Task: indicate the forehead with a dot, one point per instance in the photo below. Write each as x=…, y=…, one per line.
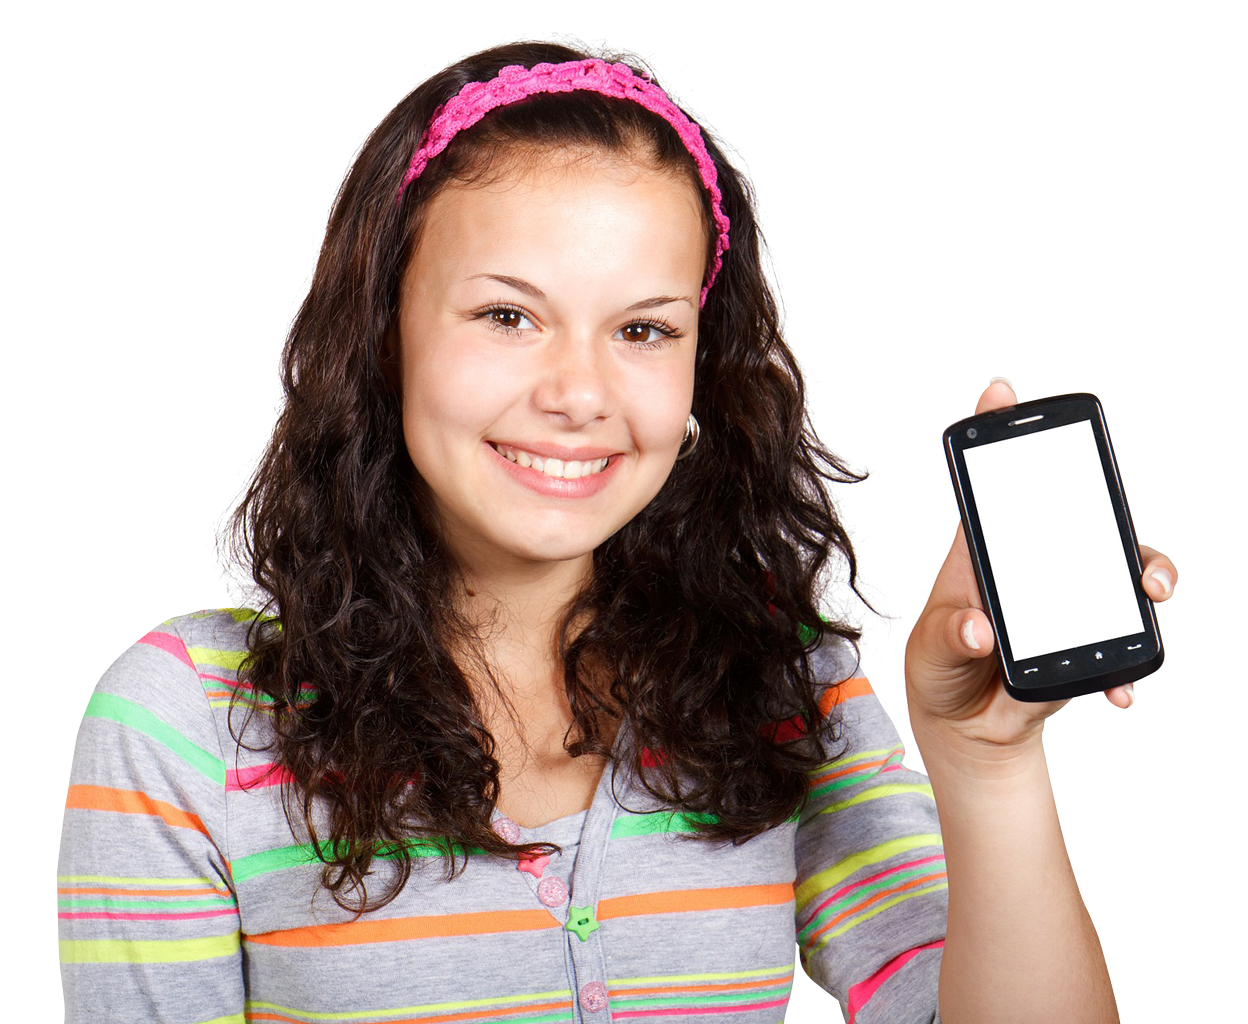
x=566, y=212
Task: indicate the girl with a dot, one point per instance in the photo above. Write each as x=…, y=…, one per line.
x=540, y=720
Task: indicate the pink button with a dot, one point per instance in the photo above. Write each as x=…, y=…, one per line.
x=594, y=996
x=508, y=831
x=533, y=865
x=552, y=891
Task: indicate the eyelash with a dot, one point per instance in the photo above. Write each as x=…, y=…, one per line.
x=667, y=331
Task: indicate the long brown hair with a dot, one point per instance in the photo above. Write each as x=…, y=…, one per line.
x=703, y=609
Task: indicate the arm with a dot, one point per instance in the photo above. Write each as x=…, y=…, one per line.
x=148, y=920
x=870, y=889
x=1020, y=944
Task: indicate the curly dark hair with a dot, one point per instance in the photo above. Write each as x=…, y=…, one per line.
x=703, y=610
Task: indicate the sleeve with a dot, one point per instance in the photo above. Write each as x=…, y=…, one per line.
x=149, y=924
x=872, y=897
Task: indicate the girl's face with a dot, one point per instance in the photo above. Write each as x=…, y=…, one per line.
x=547, y=331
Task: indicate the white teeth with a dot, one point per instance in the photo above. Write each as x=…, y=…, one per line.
x=558, y=468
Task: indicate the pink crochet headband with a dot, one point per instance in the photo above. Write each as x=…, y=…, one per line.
x=513, y=83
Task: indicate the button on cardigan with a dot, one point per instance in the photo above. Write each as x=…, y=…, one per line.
x=184, y=897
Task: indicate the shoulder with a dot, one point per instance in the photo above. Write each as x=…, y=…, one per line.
x=835, y=660
x=186, y=647
x=181, y=674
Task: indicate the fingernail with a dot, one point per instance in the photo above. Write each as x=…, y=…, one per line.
x=968, y=635
x=1001, y=380
x=1130, y=688
x=1163, y=577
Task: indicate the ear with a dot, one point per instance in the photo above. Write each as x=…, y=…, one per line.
x=389, y=358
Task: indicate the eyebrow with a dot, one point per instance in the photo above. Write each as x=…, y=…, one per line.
x=535, y=292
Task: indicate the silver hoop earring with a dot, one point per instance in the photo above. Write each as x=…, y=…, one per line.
x=692, y=433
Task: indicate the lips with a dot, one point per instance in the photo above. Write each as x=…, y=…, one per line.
x=597, y=466
x=559, y=469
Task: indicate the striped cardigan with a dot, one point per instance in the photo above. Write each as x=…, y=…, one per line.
x=185, y=898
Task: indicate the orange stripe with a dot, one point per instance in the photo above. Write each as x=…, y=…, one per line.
x=131, y=801
x=734, y=985
x=860, y=766
x=72, y=891
x=469, y=1015
x=839, y=694
x=399, y=929
x=731, y=897
x=882, y=895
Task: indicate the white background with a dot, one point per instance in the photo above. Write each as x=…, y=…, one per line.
x=1051, y=192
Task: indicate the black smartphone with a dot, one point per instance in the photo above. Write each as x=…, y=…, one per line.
x=1054, y=550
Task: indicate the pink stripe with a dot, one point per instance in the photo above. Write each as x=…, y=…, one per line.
x=170, y=645
x=860, y=994
x=102, y=915
x=256, y=778
x=700, y=1009
x=220, y=679
x=846, y=890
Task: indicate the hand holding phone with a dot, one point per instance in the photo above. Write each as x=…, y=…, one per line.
x=1032, y=480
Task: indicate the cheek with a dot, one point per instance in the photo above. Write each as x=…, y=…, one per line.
x=449, y=393
x=658, y=408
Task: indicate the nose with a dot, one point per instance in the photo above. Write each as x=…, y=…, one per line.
x=574, y=382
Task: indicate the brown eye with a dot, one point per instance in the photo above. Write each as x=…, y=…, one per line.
x=639, y=332
x=507, y=317
x=647, y=334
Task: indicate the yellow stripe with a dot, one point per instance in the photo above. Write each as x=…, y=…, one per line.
x=426, y=1008
x=210, y=656
x=829, y=877
x=878, y=909
x=147, y=951
x=114, y=880
x=663, y=978
x=233, y=1018
x=879, y=791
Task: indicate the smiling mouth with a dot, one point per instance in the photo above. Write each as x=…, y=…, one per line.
x=557, y=468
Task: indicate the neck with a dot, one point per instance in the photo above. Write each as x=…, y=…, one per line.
x=518, y=608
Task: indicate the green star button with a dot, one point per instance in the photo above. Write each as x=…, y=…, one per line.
x=581, y=920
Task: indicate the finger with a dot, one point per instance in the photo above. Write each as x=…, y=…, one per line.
x=1160, y=575
x=974, y=637
x=1121, y=696
x=998, y=395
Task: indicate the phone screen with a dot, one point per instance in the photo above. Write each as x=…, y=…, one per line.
x=1049, y=527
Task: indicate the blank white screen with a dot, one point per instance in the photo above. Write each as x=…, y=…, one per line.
x=1052, y=540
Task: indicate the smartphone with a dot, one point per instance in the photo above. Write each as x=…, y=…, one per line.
x=1054, y=550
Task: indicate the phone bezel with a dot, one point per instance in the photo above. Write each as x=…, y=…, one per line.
x=1078, y=670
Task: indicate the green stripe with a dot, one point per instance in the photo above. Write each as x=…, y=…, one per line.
x=465, y=1004
x=118, y=709
x=878, y=792
x=852, y=780
x=658, y=822
x=845, y=902
x=678, y=1000
x=156, y=906
x=122, y=951
x=254, y=864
